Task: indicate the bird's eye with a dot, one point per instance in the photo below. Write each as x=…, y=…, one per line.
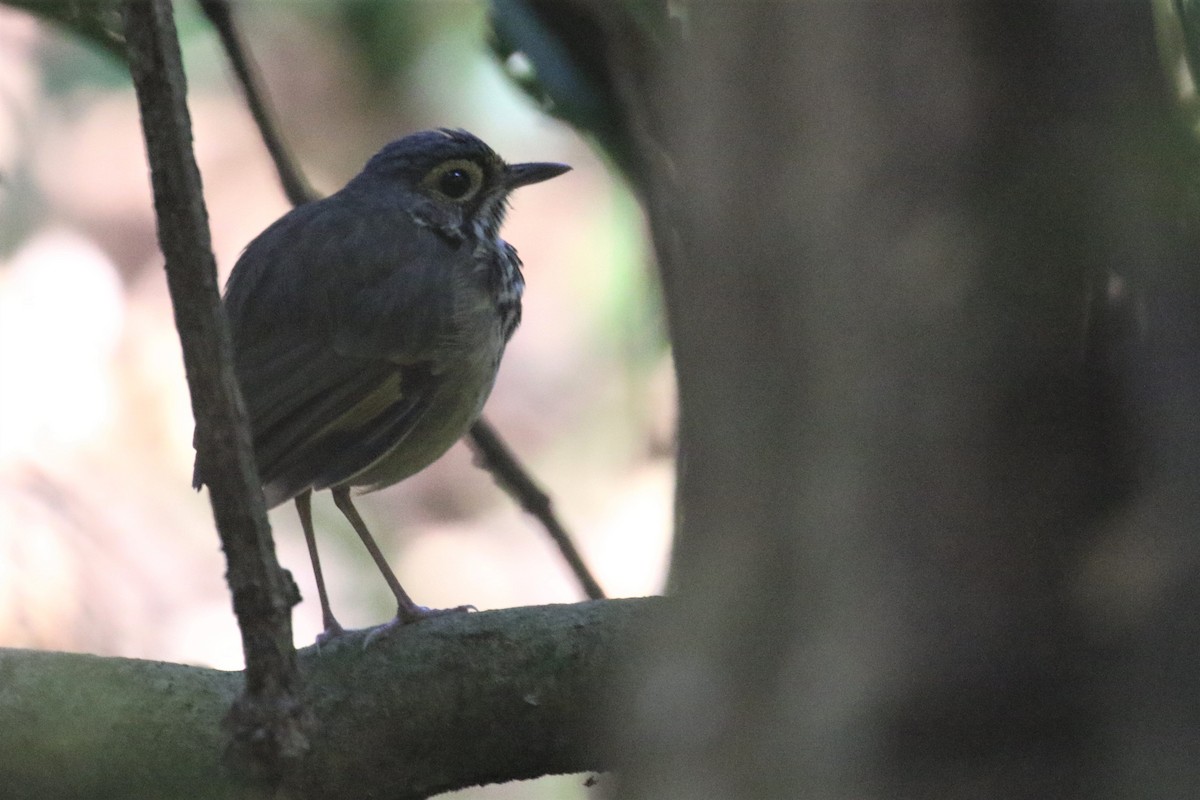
x=454, y=183
x=457, y=180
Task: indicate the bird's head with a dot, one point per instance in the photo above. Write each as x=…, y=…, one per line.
x=449, y=180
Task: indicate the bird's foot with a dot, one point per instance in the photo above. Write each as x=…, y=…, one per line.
x=409, y=615
x=333, y=633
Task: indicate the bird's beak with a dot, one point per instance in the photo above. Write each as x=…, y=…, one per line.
x=516, y=175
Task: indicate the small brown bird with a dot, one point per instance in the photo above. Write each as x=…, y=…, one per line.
x=368, y=327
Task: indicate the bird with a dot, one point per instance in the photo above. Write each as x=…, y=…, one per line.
x=368, y=328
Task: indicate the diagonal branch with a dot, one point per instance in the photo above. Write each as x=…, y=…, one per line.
x=267, y=721
x=495, y=456
x=295, y=186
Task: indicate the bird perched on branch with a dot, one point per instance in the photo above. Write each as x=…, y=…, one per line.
x=368, y=327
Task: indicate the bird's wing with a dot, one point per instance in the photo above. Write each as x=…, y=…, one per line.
x=364, y=279
x=334, y=416
x=337, y=315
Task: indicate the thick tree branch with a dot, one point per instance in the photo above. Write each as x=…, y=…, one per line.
x=453, y=702
x=267, y=722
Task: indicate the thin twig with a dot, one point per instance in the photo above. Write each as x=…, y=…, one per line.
x=498, y=459
x=495, y=456
x=295, y=186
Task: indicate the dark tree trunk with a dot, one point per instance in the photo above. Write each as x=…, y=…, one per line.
x=936, y=498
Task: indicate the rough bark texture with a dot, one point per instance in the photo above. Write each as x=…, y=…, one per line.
x=452, y=702
x=267, y=723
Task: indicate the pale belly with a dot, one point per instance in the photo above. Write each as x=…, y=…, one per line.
x=461, y=390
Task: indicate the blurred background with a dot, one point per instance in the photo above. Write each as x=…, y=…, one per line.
x=104, y=547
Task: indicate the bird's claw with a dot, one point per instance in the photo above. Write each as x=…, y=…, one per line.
x=410, y=616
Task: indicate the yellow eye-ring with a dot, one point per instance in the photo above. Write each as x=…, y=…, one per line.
x=457, y=180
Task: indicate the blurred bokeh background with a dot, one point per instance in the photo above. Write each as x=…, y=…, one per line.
x=104, y=547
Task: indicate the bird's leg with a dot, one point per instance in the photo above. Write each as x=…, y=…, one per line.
x=304, y=509
x=406, y=610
